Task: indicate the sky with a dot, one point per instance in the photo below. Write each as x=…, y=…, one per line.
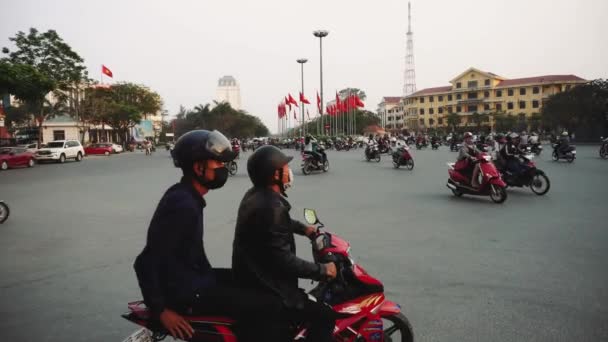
x=181, y=48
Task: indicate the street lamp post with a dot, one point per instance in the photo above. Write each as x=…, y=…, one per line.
x=302, y=127
x=320, y=34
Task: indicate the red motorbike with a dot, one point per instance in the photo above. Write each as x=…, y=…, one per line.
x=364, y=313
x=489, y=179
x=402, y=156
x=236, y=148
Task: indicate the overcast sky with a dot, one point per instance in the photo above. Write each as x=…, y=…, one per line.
x=181, y=48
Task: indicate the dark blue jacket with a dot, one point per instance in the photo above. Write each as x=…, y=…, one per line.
x=173, y=265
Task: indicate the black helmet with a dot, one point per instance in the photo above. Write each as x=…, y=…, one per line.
x=264, y=162
x=201, y=145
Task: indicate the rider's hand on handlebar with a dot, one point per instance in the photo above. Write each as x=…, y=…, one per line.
x=311, y=232
x=331, y=270
x=177, y=326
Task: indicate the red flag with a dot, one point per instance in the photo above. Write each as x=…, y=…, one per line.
x=292, y=100
x=106, y=71
x=358, y=101
x=303, y=99
x=319, y=103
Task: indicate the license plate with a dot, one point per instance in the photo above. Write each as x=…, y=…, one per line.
x=141, y=335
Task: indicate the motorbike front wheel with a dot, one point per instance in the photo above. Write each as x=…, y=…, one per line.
x=326, y=166
x=306, y=168
x=4, y=212
x=603, y=153
x=396, y=164
x=397, y=329
x=555, y=156
x=409, y=164
x=233, y=168
x=570, y=158
x=540, y=184
x=377, y=159
x=498, y=194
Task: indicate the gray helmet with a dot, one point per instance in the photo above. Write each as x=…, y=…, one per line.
x=201, y=145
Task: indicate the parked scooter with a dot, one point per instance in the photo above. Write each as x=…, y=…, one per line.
x=489, y=179
x=569, y=154
x=402, y=157
x=4, y=211
x=530, y=176
x=362, y=309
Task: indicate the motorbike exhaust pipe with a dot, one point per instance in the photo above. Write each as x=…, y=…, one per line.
x=451, y=186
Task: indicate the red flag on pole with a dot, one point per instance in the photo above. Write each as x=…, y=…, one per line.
x=358, y=101
x=106, y=71
x=303, y=99
x=292, y=100
x=319, y=103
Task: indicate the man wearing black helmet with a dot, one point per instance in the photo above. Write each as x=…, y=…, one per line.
x=264, y=254
x=173, y=271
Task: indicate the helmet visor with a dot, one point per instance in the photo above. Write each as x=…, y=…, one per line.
x=220, y=147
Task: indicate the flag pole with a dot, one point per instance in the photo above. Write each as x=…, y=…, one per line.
x=101, y=76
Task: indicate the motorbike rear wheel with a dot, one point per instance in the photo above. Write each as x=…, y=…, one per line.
x=4, y=212
x=233, y=168
x=570, y=158
x=603, y=153
x=397, y=329
x=555, y=156
x=498, y=194
x=306, y=168
x=540, y=184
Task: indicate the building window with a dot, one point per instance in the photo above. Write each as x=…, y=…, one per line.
x=472, y=95
x=450, y=97
x=59, y=135
x=421, y=122
x=471, y=108
x=486, y=82
x=431, y=111
x=440, y=98
x=486, y=94
x=535, y=104
x=431, y=122
x=510, y=92
x=440, y=110
x=486, y=106
x=499, y=93
x=510, y=105
x=522, y=91
x=421, y=111
x=440, y=121
x=499, y=106
x=535, y=90
x=458, y=85
x=450, y=109
x=458, y=109
x=431, y=99
x=472, y=84
x=522, y=104
x=422, y=100
x=458, y=96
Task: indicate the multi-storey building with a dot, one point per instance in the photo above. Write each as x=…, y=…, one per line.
x=390, y=112
x=228, y=90
x=476, y=91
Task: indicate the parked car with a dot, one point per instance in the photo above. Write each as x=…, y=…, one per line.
x=60, y=150
x=32, y=148
x=117, y=148
x=15, y=156
x=103, y=148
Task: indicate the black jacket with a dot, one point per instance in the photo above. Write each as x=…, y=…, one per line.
x=264, y=251
x=173, y=264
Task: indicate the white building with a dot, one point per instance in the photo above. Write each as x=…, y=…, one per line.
x=228, y=91
x=390, y=112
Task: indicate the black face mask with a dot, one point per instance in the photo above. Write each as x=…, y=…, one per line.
x=219, y=179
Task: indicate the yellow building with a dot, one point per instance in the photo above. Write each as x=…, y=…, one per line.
x=476, y=91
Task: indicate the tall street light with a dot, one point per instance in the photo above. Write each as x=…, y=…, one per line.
x=320, y=34
x=302, y=127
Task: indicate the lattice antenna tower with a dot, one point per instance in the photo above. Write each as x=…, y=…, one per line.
x=409, y=76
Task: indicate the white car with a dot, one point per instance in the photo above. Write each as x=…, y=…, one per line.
x=117, y=148
x=32, y=148
x=60, y=150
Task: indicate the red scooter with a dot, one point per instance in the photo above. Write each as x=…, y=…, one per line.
x=402, y=156
x=364, y=313
x=489, y=179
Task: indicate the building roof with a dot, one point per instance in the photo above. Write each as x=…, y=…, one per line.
x=60, y=119
x=391, y=99
x=432, y=91
x=471, y=69
x=540, y=80
x=226, y=81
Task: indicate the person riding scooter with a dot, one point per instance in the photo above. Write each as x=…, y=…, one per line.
x=311, y=149
x=509, y=154
x=467, y=157
x=563, y=144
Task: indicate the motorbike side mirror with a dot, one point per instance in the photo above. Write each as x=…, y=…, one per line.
x=310, y=215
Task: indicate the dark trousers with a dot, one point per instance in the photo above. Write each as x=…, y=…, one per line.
x=315, y=155
x=319, y=319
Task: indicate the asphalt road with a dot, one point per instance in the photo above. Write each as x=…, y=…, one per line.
x=463, y=269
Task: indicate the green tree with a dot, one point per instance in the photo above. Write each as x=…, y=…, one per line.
x=505, y=122
x=58, y=70
x=344, y=93
x=453, y=120
x=477, y=119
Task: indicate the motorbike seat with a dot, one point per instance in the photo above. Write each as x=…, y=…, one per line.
x=139, y=311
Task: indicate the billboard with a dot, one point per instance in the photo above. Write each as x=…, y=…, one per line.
x=143, y=130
